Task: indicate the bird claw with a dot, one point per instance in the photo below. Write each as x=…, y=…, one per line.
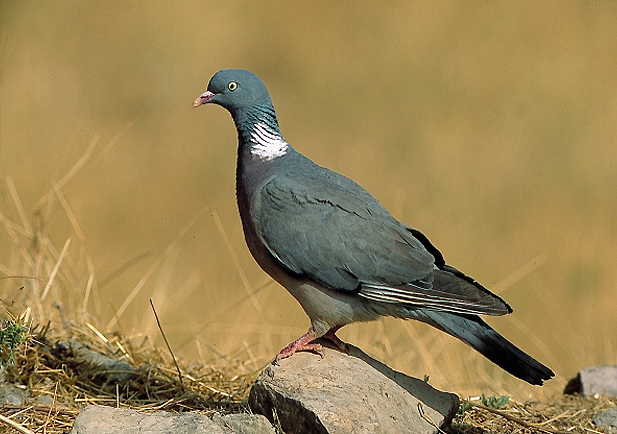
x=295, y=347
x=332, y=337
x=303, y=343
x=338, y=343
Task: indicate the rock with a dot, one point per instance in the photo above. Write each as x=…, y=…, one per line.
x=601, y=380
x=342, y=393
x=43, y=400
x=112, y=370
x=607, y=419
x=244, y=423
x=11, y=394
x=108, y=420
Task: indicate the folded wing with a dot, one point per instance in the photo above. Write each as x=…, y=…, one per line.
x=330, y=230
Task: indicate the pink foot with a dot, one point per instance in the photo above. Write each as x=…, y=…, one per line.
x=303, y=343
x=331, y=335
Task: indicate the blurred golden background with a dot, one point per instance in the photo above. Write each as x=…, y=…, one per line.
x=489, y=126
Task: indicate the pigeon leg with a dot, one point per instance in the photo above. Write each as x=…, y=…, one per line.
x=331, y=335
x=303, y=343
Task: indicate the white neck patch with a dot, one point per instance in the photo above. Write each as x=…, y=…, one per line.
x=267, y=145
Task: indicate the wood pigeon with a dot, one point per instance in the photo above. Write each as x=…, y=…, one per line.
x=337, y=250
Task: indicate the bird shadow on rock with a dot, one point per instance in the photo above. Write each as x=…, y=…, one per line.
x=446, y=403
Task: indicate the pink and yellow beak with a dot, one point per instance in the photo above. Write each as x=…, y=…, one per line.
x=204, y=98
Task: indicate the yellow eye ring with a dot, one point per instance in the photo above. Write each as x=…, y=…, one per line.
x=232, y=86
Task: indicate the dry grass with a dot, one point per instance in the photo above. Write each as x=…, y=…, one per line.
x=43, y=288
x=49, y=289
x=564, y=414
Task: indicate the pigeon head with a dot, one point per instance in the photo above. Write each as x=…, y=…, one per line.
x=248, y=101
x=237, y=90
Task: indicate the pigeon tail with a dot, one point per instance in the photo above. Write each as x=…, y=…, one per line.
x=480, y=336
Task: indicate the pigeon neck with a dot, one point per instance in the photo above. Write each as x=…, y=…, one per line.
x=258, y=131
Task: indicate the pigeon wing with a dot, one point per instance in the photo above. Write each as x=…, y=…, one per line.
x=332, y=231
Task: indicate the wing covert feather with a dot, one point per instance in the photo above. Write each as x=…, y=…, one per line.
x=332, y=231
x=339, y=238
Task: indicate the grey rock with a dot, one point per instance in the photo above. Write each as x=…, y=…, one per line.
x=601, y=380
x=342, y=393
x=108, y=420
x=244, y=423
x=112, y=370
x=11, y=394
x=43, y=400
x=607, y=419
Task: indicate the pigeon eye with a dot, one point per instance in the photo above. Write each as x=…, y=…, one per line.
x=232, y=86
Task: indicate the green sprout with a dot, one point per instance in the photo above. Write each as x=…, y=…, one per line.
x=465, y=405
x=487, y=401
x=12, y=334
x=495, y=402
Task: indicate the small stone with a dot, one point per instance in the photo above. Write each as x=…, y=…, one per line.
x=112, y=370
x=13, y=395
x=43, y=400
x=244, y=423
x=109, y=420
x=342, y=393
x=595, y=380
x=607, y=419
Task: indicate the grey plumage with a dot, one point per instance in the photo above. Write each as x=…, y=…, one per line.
x=337, y=250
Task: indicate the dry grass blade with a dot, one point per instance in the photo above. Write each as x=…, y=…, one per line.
x=168, y=346
x=128, y=264
x=80, y=163
x=519, y=274
x=127, y=126
x=55, y=270
x=129, y=299
x=89, y=284
x=427, y=418
x=18, y=205
x=229, y=309
x=236, y=262
x=519, y=421
x=12, y=230
x=240, y=271
x=68, y=211
x=10, y=422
